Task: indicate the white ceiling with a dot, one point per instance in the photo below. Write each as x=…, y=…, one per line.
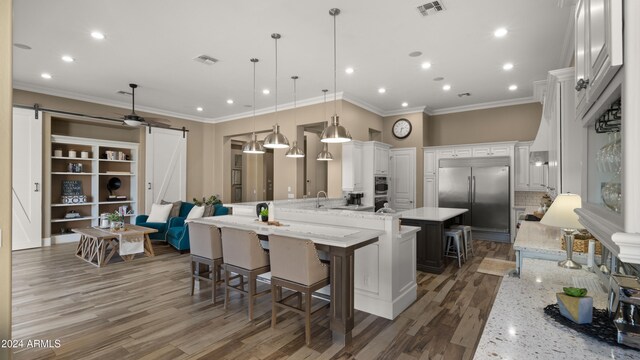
x=153, y=42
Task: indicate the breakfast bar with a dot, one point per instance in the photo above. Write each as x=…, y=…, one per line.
x=339, y=242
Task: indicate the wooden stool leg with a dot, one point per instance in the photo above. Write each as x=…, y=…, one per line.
x=307, y=317
x=193, y=279
x=226, y=288
x=252, y=292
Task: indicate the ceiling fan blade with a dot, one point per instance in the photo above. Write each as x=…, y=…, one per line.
x=156, y=124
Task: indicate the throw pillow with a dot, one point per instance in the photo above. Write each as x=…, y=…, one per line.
x=159, y=213
x=196, y=212
x=175, y=210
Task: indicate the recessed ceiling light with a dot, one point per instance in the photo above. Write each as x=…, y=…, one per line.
x=507, y=66
x=230, y=101
x=67, y=58
x=426, y=65
x=199, y=109
x=513, y=87
x=415, y=53
x=405, y=104
x=446, y=87
x=382, y=90
x=349, y=70
x=266, y=91
x=439, y=78
x=97, y=35
x=45, y=75
x=22, y=46
x=500, y=32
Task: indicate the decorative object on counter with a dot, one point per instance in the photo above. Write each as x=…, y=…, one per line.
x=601, y=327
x=294, y=151
x=72, y=192
x=114, y=184
x=591, y=254
x=74, y=167
x=272, y=211
x=546, y=200
x=335, y=133
x=264, y=215
x=624, y=308
x=275, y=139
x=324, y=155
x=72, y=153
x=385, y=209
x=581, y=243
x=561, y=214
x=57, y=152
x=105, y=223
x=253, y=146
x=209, y=204
x=72, y=214
x=116, y=221
x=260, y=207
x=84, y=154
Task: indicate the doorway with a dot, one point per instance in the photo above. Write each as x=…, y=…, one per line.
x=251, y=174
x=315, y=172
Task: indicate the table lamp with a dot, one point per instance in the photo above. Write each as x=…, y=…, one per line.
x=561, y=215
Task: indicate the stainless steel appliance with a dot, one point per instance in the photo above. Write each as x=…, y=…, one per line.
x=355, y=198
x=379, y=203
x=381, y=185
x=624, y=308
x=480, y=185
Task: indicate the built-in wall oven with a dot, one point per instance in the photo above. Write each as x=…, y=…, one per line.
x=381, y=185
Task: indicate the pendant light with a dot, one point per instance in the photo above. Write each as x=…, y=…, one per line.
x=276, y=140
x=294, y=151
x=253, y=146
x=325, y=155
x=335, y=133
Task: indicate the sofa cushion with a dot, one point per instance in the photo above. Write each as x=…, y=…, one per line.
x=159, y=213
x=185, y=208
x=175, y=209
x=220, y=210
x=196, y=212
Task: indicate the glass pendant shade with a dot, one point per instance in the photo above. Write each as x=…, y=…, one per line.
x=254, y=146
x=324, y=155
x=295, y=151
x=276, y=140
x=335, y=133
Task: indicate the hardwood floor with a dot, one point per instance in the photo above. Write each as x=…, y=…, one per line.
x=142, y=310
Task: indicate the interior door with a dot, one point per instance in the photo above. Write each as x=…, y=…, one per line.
x=403, y=178
x=490, y=206
x=166, y=166
x=27, y=180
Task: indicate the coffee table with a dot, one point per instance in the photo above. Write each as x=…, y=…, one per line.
x=97, y=246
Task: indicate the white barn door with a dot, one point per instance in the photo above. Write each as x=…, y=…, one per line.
x=27, y=180
x=403, y=179
x=166, y=166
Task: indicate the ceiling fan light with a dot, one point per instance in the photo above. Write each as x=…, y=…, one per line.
x=295, y=151
x=335, y=133
x=276, y=140
x=253, y=147
x=133, y=123
x=324, y=155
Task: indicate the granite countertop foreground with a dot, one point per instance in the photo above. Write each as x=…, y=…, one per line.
x=517, y=327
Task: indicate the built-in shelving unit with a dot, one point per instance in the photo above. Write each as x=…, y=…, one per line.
x=96, y=172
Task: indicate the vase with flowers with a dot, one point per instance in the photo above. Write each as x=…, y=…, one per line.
x=116, y=220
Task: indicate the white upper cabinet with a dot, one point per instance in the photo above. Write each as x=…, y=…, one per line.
x=352, y=166
x=599, y=44
x=499, y=150
x=381, y=159
x=430, y=166
x=447, y=153
x=522, y=168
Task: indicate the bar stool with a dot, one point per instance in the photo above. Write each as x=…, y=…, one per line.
x=295, y=265
x=467, y=244
x=206, y=250
x=454, y=237
x=244, y=256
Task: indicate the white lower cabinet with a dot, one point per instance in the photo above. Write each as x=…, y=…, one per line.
x=430, y=192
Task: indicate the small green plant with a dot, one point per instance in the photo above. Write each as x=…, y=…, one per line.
x=212, y=200
x=114, y=216
x=264, y=212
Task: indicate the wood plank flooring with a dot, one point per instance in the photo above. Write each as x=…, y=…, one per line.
x=142, y=310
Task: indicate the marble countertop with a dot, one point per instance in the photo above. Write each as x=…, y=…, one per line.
x=331, y=235
x=517, y=327
x=533, y=236
x=431, y=213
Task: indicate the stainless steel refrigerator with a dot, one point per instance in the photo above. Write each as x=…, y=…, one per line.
x=480, y=185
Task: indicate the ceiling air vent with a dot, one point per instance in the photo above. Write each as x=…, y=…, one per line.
x=464, y=94
x=206, y=59
x=431, y=8
x=122, y=92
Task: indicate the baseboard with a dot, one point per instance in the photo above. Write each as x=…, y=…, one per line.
x=46, y=241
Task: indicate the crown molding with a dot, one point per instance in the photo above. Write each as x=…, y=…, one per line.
x=363, y=104
x=102, y=101
x=405, y=111
x=481, y=106
x=539, y=90
x=568, y=44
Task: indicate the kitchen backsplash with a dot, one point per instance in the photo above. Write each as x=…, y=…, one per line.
x=528, y=198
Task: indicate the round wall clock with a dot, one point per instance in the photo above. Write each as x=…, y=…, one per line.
x=401, y=128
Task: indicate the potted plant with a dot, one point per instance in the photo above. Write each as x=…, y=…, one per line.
x=116, y=220
x=264, y=214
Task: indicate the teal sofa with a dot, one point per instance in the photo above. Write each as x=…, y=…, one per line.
x=178, y=232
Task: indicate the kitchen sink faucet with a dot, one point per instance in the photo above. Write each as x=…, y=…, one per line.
x=318, y=198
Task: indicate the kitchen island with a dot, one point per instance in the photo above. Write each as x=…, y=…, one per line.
x=430, y=240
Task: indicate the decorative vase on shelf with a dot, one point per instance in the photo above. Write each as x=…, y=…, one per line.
x=264, y=218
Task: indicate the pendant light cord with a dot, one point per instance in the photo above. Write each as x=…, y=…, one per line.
x=295, y=103
x=254, y=94
x=276, y=96
x=335, y=87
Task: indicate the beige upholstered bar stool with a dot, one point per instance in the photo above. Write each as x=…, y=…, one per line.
x=295, y=265
x=206, y=249
x=244, y=256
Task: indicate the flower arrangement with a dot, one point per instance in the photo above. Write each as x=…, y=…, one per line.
x=212, y=200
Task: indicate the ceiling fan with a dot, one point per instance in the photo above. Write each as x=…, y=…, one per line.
x=135, y=120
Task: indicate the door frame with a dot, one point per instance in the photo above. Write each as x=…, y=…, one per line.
x=412, y=169
x=149, y=157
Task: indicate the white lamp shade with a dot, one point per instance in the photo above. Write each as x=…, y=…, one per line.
x=561, y=213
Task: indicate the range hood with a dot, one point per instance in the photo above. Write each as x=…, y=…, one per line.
x=539, y=150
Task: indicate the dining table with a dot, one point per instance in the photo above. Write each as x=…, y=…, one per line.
x=338, y=241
